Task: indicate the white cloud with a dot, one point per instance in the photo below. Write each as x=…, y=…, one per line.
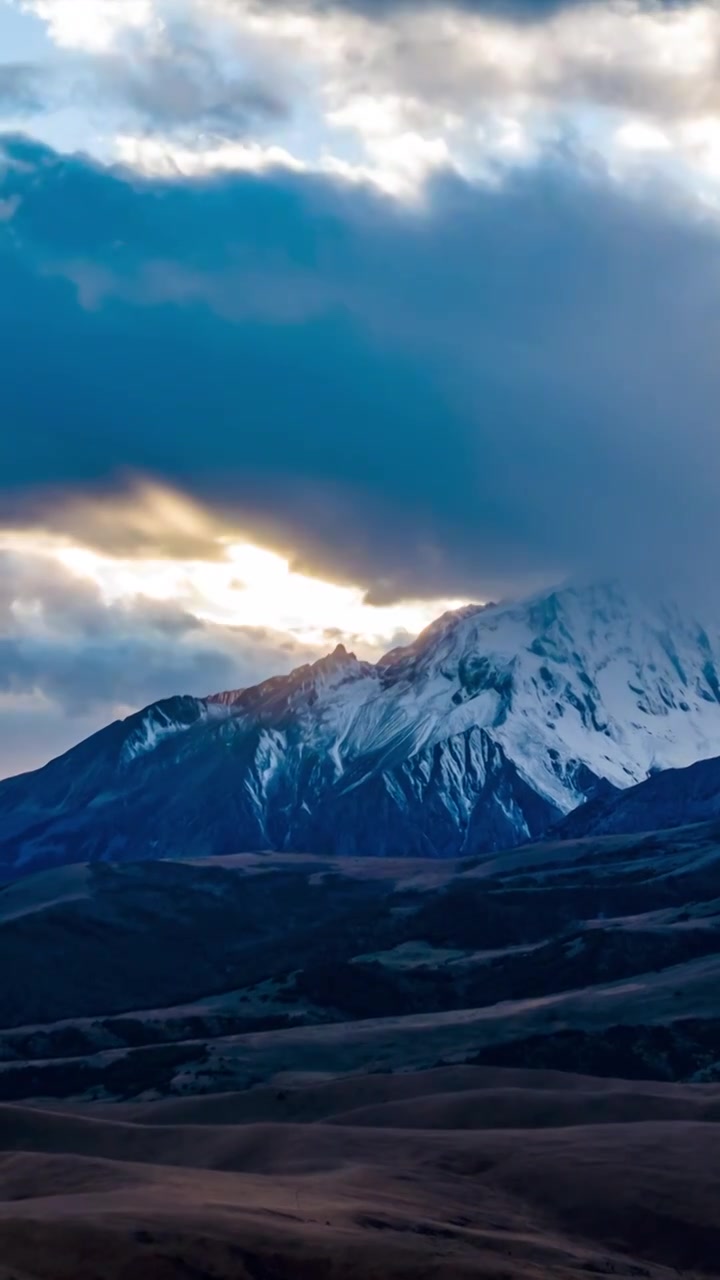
x=392, y=95
x=93, y=25
x=396, y=164
x=638, y=135
x=166, y=156
x=445, y=86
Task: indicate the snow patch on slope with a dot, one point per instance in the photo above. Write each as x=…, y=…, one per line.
x=158, y=723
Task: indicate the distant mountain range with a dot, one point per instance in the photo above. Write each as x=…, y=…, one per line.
x=492, y=727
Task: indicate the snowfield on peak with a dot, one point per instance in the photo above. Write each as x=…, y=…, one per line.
x=495, y=723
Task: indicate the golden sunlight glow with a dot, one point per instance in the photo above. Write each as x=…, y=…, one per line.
x=252, y=587
x=168, y=549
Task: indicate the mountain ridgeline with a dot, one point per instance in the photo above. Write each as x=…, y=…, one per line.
x=487, y=731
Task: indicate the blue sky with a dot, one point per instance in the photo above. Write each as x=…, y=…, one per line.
x=319, y=318
x=23, y=36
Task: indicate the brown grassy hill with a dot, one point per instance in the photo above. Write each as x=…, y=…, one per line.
x=452, y=1173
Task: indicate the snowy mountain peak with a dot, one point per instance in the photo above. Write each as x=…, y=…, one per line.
x=581, y=676
x=496, y=722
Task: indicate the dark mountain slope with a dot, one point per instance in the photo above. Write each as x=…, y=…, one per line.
x=674, y=798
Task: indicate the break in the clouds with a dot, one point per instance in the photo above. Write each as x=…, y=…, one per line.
x=420, y=298
x=86, y=636
x=71, y=660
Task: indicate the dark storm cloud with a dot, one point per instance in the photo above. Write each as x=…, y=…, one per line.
x=509, y=10
x=509, y=384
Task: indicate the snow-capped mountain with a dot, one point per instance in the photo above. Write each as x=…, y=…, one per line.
x=487, y=730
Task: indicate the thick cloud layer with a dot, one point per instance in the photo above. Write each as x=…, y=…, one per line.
x=507, y=385
x=510, y=10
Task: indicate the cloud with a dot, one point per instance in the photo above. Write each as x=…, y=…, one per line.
x=181, y=74
x=20, y=87
x=182, y=83
x=653, y=59
x=137, y=69
x=508, y=10
x=63, y=646
x=401, y=89
x=8, y=208
x=531, y=12
x=92, y=24
x=391, y=91
x=137, y=519
x=506, y=385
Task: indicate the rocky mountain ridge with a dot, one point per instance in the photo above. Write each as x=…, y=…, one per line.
x=486, y=731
